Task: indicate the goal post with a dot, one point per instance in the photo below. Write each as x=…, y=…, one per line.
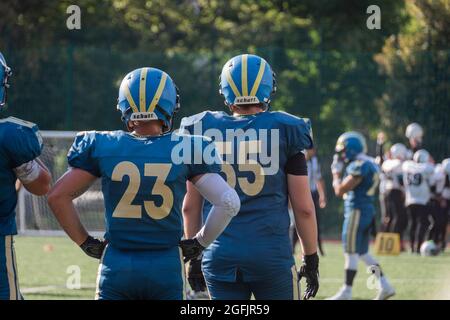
x=34, y=217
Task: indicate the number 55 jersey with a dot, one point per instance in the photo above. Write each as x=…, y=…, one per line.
x=255, y=149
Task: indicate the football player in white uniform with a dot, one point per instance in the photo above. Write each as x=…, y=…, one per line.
x=418, y=177
x=442, y=178
x=395, y=219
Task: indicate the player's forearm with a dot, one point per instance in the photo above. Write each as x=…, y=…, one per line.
x=304, y=212
x=321, y=188
x=192, y=211
x=68, y=218
x=225, y=205
x=337, y=181
x=192, y=220
x=306, y=224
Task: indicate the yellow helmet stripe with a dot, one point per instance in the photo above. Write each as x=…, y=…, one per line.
x=231, y=83
x=130, y=98
x=162, y=84
x=255, y=87
x=142, y=87
x=244, y=75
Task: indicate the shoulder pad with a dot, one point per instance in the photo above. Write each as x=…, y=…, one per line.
x=19, y=122
x=291, y=120
x=191, y=120
x=287, y=118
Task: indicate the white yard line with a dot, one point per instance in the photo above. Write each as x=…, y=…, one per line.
x=50, y=288
x=412, y=281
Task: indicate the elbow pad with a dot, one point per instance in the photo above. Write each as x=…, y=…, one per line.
x=28, y=172
x=231, y=202
x=214, y=189
x=225, y=205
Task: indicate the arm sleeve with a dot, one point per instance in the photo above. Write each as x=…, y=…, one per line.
x=24, y=145
x=225, y=205
x=296, y=165
x=81, y=154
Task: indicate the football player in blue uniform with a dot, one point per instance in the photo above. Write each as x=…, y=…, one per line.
x=263, y=154
x=144, y=171
x=357, y=187
x=20, y=146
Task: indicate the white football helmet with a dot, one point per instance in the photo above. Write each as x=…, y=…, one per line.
x=414, y=131
x=398, y=151
x=421, y=156
x=428, y=249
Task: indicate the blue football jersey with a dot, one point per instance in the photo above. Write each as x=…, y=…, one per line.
x=20, y=142
x=363, y=194
x=255, y=150
x=143, y=182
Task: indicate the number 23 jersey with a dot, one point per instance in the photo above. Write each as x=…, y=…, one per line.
x=143, y=183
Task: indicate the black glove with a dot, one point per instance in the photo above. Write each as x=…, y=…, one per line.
x=195, y=276
x=93, y=247
x=310, y=270
x=191, y=248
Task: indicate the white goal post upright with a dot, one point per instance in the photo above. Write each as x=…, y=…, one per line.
x=34, y=217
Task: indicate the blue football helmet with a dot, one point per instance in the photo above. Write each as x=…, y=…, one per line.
x=247, y=79
x=5, y=73
x=148, y=94
x=350, y=144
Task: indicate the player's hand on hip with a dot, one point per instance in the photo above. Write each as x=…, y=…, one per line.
x=93, y=247
x=191, y=249
x=310, y=271
x=195, y=275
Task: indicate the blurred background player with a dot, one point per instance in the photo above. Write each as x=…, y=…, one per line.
x=317, y=185
x=253, y=255
x=442, y=179
x=395, y=217
x=143, y=186
x=357, y=187
x=20, y=146
x=418, y=178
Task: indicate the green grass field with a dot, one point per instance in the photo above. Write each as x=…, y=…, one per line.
x=43, y=264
